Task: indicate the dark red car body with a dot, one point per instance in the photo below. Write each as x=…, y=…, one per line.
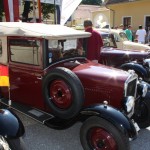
x=52, y=81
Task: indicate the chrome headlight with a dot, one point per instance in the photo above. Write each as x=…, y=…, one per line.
x=146, y=62
x=129, y=103
x=142, y=89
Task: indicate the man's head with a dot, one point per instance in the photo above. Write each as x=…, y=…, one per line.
x=87, y=24
x=140, y=26
x=129, y=27
x=121, y=26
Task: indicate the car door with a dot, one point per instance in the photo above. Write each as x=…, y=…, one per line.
x=25, y=71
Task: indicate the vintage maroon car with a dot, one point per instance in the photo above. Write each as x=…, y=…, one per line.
x=136, y=60
x=52, y=81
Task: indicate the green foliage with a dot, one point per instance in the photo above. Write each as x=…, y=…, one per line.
x=1, y=10
x=92, y=2
x=46, y=9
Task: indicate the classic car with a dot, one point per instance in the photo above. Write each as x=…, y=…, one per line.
x=110, y=55
x=52, y=81
x=122, y=41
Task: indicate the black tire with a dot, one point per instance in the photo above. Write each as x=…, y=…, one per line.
x=142, y=112
x=13, y=144
x=94, y=133
x=63, y=93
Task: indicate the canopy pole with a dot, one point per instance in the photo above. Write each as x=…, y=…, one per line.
x=55, y=12
x=34, y=15
x=39, y=10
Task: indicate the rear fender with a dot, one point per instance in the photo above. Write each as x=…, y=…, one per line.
x=114, y=116
x=10, y=125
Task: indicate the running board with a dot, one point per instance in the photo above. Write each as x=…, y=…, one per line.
x=33, y=113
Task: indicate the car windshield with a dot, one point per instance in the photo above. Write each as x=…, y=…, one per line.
x=62, y=49
x=123, y=36
x=108, y=40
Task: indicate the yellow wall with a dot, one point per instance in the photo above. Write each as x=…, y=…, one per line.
x=136, y=10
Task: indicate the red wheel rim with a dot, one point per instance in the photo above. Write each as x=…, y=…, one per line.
x=60, y=94
x=100, y=139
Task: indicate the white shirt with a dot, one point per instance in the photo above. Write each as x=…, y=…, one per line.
x=141, y=33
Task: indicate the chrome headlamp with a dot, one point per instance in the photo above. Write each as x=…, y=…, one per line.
x=129, y=103
x=146, y=62
x=142, y=89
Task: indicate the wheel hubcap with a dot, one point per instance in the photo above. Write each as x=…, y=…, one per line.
x=60, y=94
x=100, y=139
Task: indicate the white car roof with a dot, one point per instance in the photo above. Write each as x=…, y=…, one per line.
x=40, y=30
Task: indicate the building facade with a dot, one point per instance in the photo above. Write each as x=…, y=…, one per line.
x=129, y=12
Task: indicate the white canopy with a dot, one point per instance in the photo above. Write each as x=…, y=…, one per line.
x=40, y=30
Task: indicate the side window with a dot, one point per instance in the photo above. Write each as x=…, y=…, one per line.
x=25, y=51
x=0, y=47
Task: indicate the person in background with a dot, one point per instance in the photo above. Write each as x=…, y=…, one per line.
x=93, y=43
x=128, y=32
x=140, y=35
x=121, y=27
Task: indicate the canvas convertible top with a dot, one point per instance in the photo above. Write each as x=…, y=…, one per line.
x=40, y=30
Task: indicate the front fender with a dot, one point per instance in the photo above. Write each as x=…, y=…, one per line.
x=114, y=116
x=10, y=125
x=138, y=68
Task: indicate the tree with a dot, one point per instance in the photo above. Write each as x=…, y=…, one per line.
x=1, y=10
x=46, y=9
x=92, y=2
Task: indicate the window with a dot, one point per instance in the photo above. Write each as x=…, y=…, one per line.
x=62, y=49
x=126, y=21
x=25, y=51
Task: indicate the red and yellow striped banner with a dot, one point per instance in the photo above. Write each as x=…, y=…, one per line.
x=4, y=77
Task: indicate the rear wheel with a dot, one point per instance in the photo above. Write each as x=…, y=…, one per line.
x=99, y=134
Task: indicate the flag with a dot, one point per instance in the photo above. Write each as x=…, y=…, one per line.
x=39, y=10
x=11, y=9
x=4, y=77
x=68, y=7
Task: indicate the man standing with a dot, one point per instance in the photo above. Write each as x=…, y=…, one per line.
x=140, y=35
x=94, y=43
x=128, y=32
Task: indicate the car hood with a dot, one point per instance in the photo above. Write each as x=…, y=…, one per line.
x=99, y=74
x=135, y=46
x=109, y=50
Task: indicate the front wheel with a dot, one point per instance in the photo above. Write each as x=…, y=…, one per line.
x=99, y=134
x=12, y=144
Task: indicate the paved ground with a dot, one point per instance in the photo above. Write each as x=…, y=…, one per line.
x=40, y=137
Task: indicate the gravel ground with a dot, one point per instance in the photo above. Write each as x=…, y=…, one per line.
x=40, y=137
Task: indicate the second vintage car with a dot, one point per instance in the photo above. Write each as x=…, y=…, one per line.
x=52, y=81
x=111, y=55
x=122, y=41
